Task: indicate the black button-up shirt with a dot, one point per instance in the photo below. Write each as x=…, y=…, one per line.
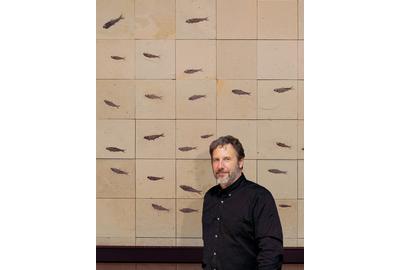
x=241, y=228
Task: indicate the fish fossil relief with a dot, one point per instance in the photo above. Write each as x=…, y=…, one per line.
x=191, y=71
x=115, y=149
x=186, y=148
x=282, y=145
x=205, y=136
x=284, y=205
x=112, y=22
x=276, y=171
x=240, y=92
x=152, y=96
x=153, y=137
x=188, y=210
x=194, y=97
x=196, y=20
x=149, y=55
x=154, y=178
x=118, y=171
x=111, y=104
x=116, y=57
x=190, y=189
x=159, y=207
x=282, y=89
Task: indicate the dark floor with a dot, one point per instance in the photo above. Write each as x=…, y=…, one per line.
x=169, y=266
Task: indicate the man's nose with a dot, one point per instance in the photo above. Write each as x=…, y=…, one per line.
x=220, y=165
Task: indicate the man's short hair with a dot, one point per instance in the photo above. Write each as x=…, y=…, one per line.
x=223, y=140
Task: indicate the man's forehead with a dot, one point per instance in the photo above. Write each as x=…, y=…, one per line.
x=227, y=147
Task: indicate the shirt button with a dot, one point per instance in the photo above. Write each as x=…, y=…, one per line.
x=229, y=194
x=216, y=236
x=217, y=218
x=222, y=201
x=215, y=253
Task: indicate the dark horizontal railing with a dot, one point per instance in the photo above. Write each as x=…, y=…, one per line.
x=137, y=254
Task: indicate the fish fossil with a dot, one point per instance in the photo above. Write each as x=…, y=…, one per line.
x=282, y=89
x=282, y=145
x=205, y=136
x=152, y=96
x=194, y=97
x=240, y=92
x=154, y=178
x=153, y=137
x=111, y=104
x=190, y=189
x=116, y=57
x=112, y=22
x=118, y=171
x=187, y=148
x=115, y=149
x=196, y=20
x=159, y=207
x=191, y=71
x=149, y=55
x=276, y=171
x=284, y=205
x=188, y=210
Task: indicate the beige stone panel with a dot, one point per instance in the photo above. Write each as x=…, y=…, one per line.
x=279, y=177
x=237, y=59
x=250, y=169
x=244, y=130
x=156, y=266
x=115, y=220
x=115, y=266
x=277, y=19
x=119, y=134
x=237, y=19
x=274, y=102
x=300, y=141
x=161, y=147
x=106, y=12
x=155, y=19
x=195, y=59
x=188, y=224
x=300, y=242
x=300, y=179
x=194, y=133
x=155, y=59
x=233, y=104
x=287, y=210
x=277, y=59
x=187, y=27
x=156, y=242
x=196, y=99
x=301, y=18
x=289, y=242
x=109, y=68
x=189, y=242
x=155, y=178
x=185, y=266
x=115, y=178
x=151, y=222
x=196, y=174
x=155, y=99
x=300, y=59
x=300, y=104
x=121, y=94
x=301, y=218
x=277, y=139
x=115, y=241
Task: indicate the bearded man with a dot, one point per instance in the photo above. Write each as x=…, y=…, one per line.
x=241, y=226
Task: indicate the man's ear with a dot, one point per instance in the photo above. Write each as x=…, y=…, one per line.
x=241, y=163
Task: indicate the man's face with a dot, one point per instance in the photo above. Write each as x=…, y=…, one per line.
x=225, y=164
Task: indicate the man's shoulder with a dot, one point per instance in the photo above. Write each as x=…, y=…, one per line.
x=211, y=190
x=257, y=189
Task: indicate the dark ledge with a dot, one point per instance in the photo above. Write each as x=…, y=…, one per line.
x=138, y=254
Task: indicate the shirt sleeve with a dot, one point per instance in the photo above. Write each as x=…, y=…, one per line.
x=268, y=232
